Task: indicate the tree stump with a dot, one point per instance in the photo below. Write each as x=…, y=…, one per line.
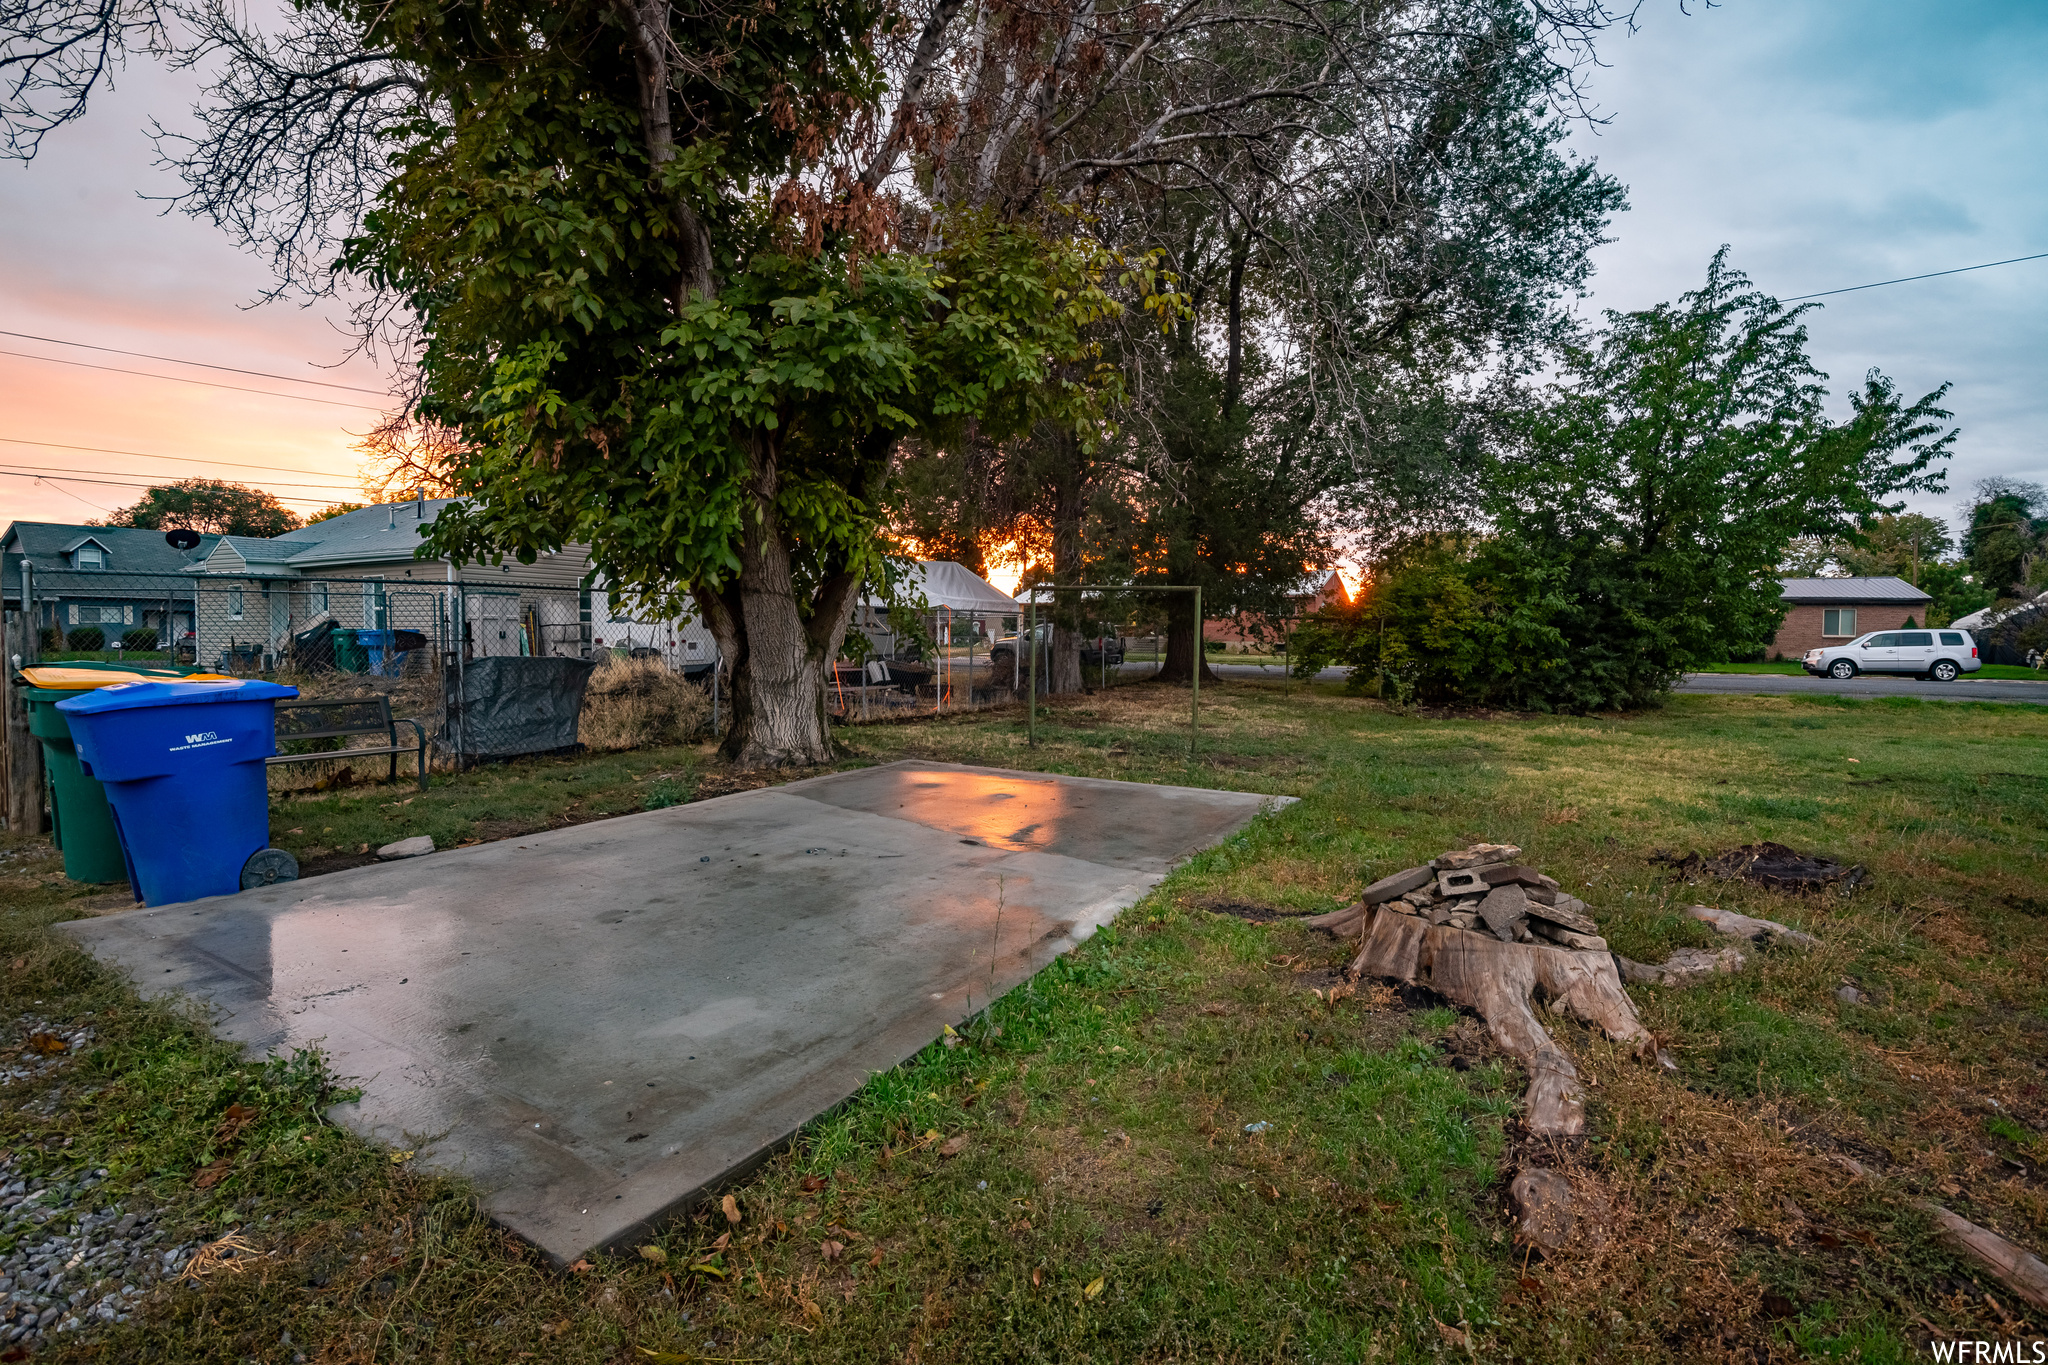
x=1504, y=982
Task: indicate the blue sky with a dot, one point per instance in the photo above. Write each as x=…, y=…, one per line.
x=1828, y=142
x=1834, y=144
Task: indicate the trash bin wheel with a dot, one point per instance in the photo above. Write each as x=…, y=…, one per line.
x=267, y=867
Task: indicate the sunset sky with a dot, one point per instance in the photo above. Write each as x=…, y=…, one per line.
x=1830, y=144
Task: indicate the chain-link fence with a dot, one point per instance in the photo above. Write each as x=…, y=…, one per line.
x=901, y=664
x=489, y=666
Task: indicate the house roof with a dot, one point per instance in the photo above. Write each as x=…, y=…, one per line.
x=1849, y=591
x=390, y=531
x=1992, y=616
x=45, y=545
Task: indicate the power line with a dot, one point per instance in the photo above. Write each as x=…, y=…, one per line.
x=203, y=383
x=201, y=364
x=110, y=483
x=122, y=473
x=145, y=455
x=69, y=494
x=1908, y=279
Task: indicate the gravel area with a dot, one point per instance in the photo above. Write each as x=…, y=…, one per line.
x=70, y=1251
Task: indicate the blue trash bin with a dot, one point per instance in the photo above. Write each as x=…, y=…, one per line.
x=376, y=645
x=182, y=763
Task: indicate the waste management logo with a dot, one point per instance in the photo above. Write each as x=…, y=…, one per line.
x=204, y=740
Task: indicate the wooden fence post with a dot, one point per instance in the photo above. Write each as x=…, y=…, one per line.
x=24, y=756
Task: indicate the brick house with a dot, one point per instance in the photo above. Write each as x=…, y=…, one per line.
x=1306, y=597
x=1834, y=611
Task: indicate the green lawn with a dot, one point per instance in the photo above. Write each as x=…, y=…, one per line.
x=2008, y=671
x=1175, y=1148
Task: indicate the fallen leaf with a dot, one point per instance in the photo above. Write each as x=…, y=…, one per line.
x=1220, y=1011
x=1450, y=1333
x=580, y=1268
x=210, y=1174
x=1778, y=1306
x=1269, y=1193
x=20, y=964
x=238, y=1117
x=722, y=1241
x=875, y=1259
x=832, y=1251
x=954, y=1146
x=705, y=1268
x=654, y=1254
x=1037, y=1276
x=1021, y=1225
x=399, y=1158
x=731, y=1207
x=813, y=1183
x=1094, y=1289
x=47, y=1042
x=1529, y=1285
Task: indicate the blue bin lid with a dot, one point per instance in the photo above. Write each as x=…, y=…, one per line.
x=143, y=695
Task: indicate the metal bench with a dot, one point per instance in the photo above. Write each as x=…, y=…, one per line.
x=349, y=719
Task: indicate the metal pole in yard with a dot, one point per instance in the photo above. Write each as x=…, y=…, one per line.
x=1030, y=642
x=1195, y=683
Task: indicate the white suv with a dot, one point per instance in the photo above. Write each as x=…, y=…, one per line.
x=1943, y=655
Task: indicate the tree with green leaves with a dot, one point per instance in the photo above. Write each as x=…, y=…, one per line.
x=229, y=509
x=1661, y=475
x=2008, y=528
x=1635, y=508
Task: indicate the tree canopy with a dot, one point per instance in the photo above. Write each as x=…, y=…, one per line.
x=230, y=509
x=1635, y=508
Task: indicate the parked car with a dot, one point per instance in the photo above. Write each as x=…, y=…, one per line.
x=1943, y=655
x=1095, y=650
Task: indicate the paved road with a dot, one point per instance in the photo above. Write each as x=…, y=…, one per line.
x=1743, y=684
x=1869, y=685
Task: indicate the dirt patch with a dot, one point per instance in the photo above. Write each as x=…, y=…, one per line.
x=725, y=784
x=1245, y=910
x=1770, y=865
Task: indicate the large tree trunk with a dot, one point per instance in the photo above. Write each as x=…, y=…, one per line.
x=776, y=657
x=1179, y=664
x=1065, y=656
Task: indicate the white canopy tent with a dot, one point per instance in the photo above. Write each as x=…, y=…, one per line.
x=945, y=583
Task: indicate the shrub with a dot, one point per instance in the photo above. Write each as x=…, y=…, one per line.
x=631, y=703
x=141, y=638
x=49, y=639
x=85, y=639
x=1448, y=621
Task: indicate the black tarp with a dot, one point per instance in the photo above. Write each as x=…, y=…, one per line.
x=499, y=707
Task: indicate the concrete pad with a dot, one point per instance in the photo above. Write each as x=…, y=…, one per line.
x=597, y=1024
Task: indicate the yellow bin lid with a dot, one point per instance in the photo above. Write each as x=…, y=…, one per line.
x=58, y=678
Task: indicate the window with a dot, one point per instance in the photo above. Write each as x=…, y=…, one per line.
x=1917, y=639
x=373, y=604
x=235, y=603
x=317, y=598
x=1838, y=621
x=91, y=557
x=1951, y=637
x=1885, y=641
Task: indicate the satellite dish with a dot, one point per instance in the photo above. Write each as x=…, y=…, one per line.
x=182, y=539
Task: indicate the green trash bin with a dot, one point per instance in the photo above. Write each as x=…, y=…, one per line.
x=81, y=824
x=349, y=654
